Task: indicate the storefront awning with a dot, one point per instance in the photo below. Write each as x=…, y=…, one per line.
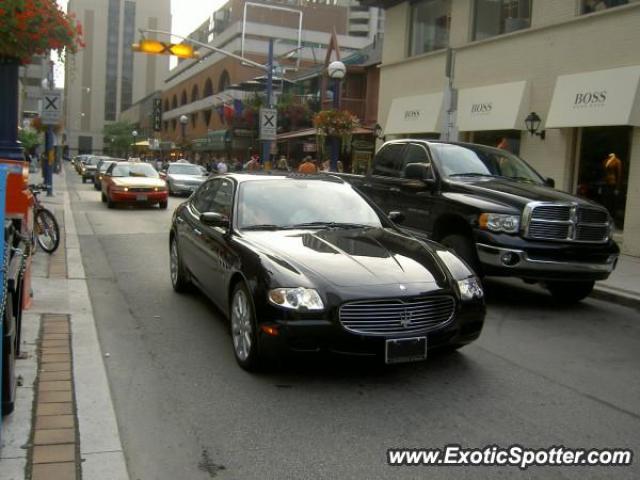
x=311, y=132
x=494, y=107
x=595, y=99
x=416, y=114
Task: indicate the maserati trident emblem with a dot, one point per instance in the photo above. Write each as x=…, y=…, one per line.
x=405, y=318
x=403, y=288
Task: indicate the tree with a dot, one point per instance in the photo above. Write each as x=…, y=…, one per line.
x=29, y=138
x=118, y=138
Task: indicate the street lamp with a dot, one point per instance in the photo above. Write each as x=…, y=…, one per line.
x=183, y=125
x=336, y=71
x=134, y=134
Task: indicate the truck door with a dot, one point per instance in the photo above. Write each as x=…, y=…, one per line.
x=416, y=199
x=382, y=185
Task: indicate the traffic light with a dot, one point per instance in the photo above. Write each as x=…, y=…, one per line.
x=156, y=47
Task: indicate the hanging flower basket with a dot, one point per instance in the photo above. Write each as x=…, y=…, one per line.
x=335, y=123
x=36, y=27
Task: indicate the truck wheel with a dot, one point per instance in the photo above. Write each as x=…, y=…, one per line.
x=465, y=249
x=570, y=292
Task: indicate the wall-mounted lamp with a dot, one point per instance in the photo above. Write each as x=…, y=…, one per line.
x=533, y=122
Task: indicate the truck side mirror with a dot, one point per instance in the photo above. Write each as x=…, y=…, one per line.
x=550, y=182
x=419, y=171
x=396, y=217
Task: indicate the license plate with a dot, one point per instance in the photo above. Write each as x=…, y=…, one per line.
x=141, y=198
x=403, y=350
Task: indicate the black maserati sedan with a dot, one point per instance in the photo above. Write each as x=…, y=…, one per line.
x=305, y=263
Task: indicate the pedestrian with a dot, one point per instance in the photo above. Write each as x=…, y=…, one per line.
x=283, y=164
x=307, y=166
x=222, y=166
x=237, y=165
x=253, y=164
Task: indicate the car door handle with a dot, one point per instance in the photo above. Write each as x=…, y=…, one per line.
x=179, y=220
x=394, y=189
x=197, y=232
x=368, y=185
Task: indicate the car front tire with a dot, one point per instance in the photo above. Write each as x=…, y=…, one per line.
x=179, y=278
x=163, y=205
x=243, y=330
x=465, y=249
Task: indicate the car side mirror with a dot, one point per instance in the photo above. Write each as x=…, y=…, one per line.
x=419, y=171
x=550, y=182
x=396, y=217
x=162, y=174
x=213, y=219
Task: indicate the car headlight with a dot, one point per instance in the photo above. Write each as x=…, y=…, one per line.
x=499, y=222
x=296, y=298
x=470, y=289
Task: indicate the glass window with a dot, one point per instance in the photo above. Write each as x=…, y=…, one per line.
x=430, y=21
x=388, y=161
x=286, y=203
x=591, y=6
x=415, y=154
x=603, y=169
x=495, y=17
x=466, y=161
x=133, y=170
x=202, y=198
x=182, y=169
x=223, y=199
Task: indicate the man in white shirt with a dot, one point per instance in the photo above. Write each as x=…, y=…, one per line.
x=222, y=166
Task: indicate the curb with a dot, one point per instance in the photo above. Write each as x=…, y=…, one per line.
x=615, y=295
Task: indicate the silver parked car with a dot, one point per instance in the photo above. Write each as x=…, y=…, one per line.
x=183, y=177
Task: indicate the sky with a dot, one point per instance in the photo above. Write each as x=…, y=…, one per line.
x=186, y=15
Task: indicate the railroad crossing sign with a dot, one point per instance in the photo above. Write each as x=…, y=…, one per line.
x=268, y=123
x=51, y=107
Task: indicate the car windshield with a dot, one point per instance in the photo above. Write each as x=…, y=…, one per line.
x=276, y=204
x=134, y=170
x=93, y=160
x=464, y=161
x=104, y=165
x=184, y=170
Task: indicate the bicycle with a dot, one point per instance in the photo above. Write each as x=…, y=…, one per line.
x=45, y=225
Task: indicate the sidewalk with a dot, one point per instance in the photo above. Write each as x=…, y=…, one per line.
x=64, y=426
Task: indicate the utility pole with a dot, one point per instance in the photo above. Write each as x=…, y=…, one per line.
x=450, y=125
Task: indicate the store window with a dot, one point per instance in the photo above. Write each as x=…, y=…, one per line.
x=603, y=168
x=430, y=22
x=505, y=139
x=496, y=17
x=592, y=6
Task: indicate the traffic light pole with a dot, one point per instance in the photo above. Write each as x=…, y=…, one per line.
x=47, y=167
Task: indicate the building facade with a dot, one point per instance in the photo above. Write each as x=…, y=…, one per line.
x=105, y=77
x=200, y=88
x=575, y=63
x=31, y=77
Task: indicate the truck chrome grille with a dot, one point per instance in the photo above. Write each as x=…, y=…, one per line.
x=397, y=316
x=566, y=222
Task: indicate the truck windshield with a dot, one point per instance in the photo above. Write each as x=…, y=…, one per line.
x=477, y=161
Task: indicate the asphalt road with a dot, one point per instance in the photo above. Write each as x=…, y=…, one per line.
x=539, y=376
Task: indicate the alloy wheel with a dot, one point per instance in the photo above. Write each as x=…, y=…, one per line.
x=173, y=262
x=241, y=325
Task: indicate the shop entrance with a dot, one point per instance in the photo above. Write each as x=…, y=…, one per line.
x=505, y=139
x=603, y=168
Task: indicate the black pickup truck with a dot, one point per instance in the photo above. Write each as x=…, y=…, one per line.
x=495, y=211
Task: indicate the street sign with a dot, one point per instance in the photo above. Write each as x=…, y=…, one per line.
x=51, y=107
x=268, y=123
x=157, y=114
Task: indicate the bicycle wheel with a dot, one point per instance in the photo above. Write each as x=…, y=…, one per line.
x=47, y=230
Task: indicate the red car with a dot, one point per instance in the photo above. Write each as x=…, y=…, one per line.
x=133, y=183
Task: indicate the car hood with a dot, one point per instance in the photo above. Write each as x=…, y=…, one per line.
x=513, y=194
x=138, y=182
x=355, y=256
x=185, y=178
